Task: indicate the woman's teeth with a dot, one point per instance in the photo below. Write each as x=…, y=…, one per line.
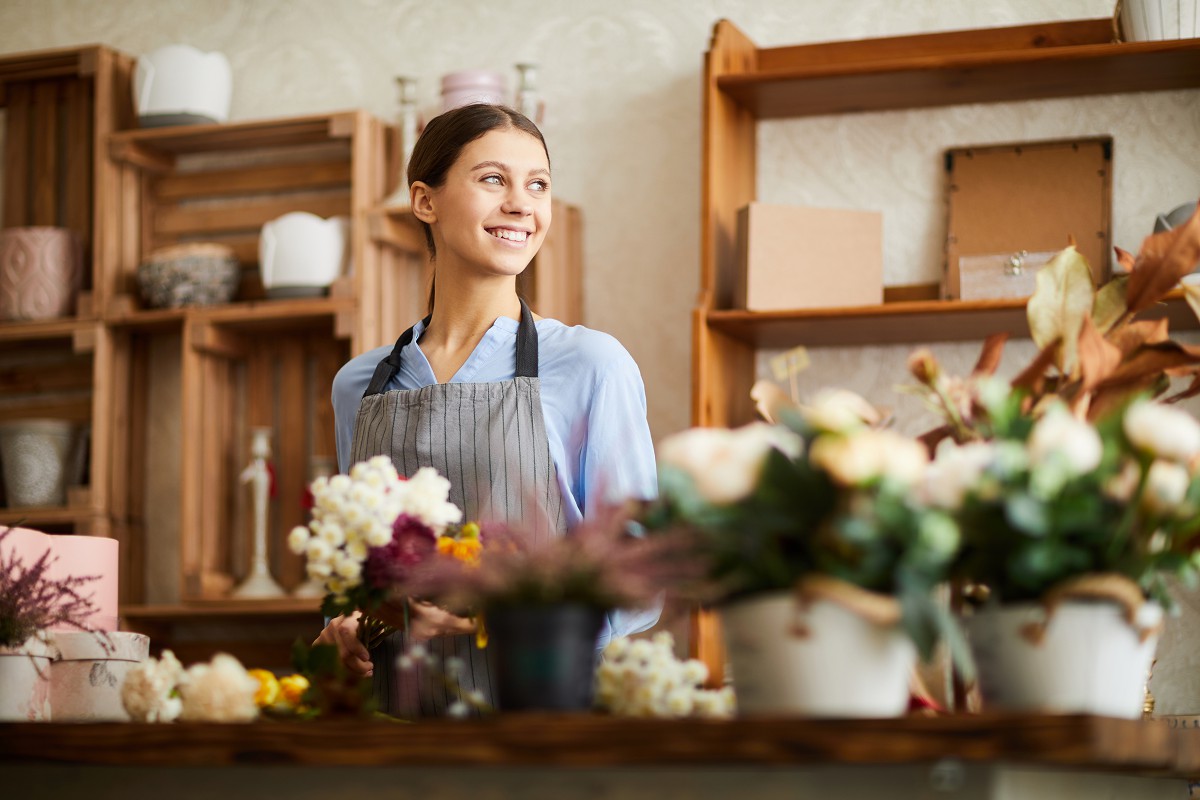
x=512, y=236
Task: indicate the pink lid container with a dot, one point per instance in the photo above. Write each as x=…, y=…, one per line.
x=473, y=86
x=73, y=555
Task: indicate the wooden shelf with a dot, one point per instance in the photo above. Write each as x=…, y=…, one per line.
x=899, y=323
x=43, y=330
x=290, y=313
x=224, y=609
x=156, y=148
x=1067, y=59
x=70, y=62
x=583, y=740
x=33, y=516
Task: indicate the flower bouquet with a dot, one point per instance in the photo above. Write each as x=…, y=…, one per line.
x=811, y=529
x=370, y=529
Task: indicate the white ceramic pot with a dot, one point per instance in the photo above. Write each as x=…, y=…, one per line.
x=35, y=455
x=86, y=677
x=25, y=682
x=844, y=667
x=1089, y=661
x=178, y=84
x=1151, y=20
x=300, y=254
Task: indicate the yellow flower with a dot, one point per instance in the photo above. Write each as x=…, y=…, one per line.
x=445, y=545
x=267, y=693
x=292, y=688
x=467, y=550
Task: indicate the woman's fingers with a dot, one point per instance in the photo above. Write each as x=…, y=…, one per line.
x=342, y=632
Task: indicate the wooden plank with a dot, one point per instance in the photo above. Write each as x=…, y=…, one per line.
x=75, y=408
x=191, y=483
x=61, y=62
x=77, y=170
x=288, y=132
x=292, y=451
x=328, y=358
x=728, y=176
x=215, y=477
x=245, y=215
x=969, y=77
x=67, y=373
x=597, y=741
x=39, y=330
x=266, y=179
x=18, y=121
x=723, y=371
x=45, y=154
x=900, y=48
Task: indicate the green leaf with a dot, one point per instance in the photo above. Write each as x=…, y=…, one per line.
x=1064, y=295
x=1027, y=513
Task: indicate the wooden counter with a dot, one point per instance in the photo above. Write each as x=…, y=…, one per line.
x=533, y=755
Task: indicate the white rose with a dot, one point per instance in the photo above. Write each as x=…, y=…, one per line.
x=1163, y=431
x=318, y=569
x=318, y=550
x=349, y=569
x=1166, y=486
x=866, y=455
x=954, y=472
x=1059, y=436
x=298, y=539
x=332, y=534
x=679, y=702
x=725, y=464
x=839, y=411
x=221, y=691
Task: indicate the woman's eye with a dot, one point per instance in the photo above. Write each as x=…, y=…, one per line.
x=540, y=186
x=495, y=180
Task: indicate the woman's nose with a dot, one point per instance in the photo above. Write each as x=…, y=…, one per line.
x=516, y=202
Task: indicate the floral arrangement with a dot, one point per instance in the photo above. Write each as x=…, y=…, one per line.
x=600, y=564
x=371, y=527
x=1069, y=479
x=822, y=504
x=643, y=678
x=31, y=602
x=280, y=695
x=1059, y=504
x=161, y=690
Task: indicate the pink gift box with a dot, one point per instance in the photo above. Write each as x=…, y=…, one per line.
x=73, y=555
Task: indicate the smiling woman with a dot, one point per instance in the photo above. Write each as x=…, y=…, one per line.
x=505, y=404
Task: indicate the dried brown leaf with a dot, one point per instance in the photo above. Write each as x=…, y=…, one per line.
x=1148, y=331
x=1125, y=259
x=1163, y=260
x=1192, y=390
x=989, y=358
x=1109, y=307
x=1151, y=361
x=1033, y=377
x=1098, y=358
x=1064, y=296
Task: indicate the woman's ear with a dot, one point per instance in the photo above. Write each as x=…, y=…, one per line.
x=420, y=197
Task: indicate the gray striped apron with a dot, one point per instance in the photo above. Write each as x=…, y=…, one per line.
x=489, y=440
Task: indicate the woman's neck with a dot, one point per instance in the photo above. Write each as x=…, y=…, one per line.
x=463, y=311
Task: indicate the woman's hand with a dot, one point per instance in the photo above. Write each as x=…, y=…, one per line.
x=342, y=632
x=427, y=621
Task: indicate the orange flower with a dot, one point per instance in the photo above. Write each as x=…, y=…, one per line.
x=445, y=545
x=268, y=688
x=467, y=550
x=293, y=687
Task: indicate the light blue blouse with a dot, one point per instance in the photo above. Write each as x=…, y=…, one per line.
x=593, y=402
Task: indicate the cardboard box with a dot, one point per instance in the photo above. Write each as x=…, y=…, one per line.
x=793, y=257
x=1029, y=197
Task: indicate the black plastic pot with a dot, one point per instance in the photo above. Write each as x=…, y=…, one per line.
x=545, y=656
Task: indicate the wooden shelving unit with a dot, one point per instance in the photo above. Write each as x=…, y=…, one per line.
x=744, y=84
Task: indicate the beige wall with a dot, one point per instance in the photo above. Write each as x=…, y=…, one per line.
x=622, y=83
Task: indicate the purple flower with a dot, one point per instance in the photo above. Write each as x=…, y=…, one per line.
x=412, y=541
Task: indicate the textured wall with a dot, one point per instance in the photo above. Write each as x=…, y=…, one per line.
x=622, y=84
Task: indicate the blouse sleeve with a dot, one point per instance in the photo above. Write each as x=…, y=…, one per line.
x=618, y=464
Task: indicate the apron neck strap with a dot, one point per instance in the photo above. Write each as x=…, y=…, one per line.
x=527, y=353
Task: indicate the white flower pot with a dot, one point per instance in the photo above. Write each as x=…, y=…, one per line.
x=1089, y=661
x=1151, y=20
x=300, y=254
x=35, y=456
x=844, y=667
x=178, y=84
x=25, y=682
x=86, y=678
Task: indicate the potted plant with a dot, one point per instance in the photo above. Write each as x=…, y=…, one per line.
x=823, y=563
x=1076, y=494
x=31, y=603
x=541, y=602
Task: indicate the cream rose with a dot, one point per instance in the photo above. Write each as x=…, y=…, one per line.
x=725, y=464
x=866, y=455
x=839, y=411
x=1163, y=431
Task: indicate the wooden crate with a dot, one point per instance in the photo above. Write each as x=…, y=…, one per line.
x=238, y=376
x=221, y=183
x=59, y=106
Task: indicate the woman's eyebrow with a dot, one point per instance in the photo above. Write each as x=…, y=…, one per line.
x=500, y=165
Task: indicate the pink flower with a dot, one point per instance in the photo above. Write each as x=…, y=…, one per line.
x=412, y=541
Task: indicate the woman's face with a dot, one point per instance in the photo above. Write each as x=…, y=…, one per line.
x=494, y=208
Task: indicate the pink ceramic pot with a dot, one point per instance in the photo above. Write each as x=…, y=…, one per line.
x=40, y=273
